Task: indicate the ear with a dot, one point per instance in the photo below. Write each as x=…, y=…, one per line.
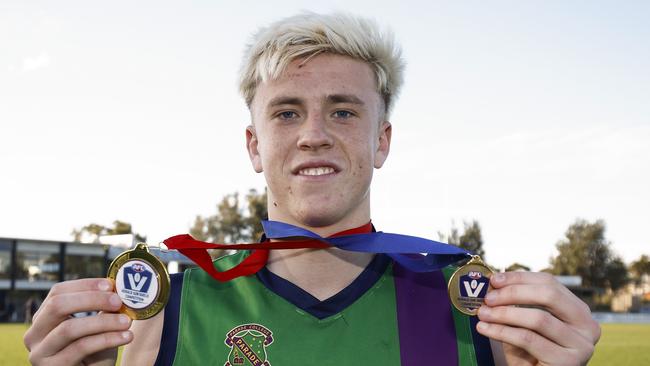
x=383, y=146
x=251, y=146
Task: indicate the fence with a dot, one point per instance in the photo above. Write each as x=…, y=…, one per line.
x=622, y=317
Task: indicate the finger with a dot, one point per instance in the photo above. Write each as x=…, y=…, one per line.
x=83, y=347
x=76, y=328
x=59, y=307
x=540, y=321
x=539, y=347
x=555, y=297
x=502, y=279
x=556, y=290
x=564, y=306
x=85, y=284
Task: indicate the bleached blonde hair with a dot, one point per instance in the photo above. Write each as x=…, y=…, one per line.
x=306, y=35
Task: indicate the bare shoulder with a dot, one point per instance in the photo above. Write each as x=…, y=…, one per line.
x=143, y=350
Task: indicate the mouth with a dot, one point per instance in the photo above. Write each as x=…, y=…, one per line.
x=316, y=169
x=321, y=170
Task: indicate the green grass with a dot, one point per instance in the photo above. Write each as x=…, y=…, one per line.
x=620, y=344
x=12, y=350
x=623, y=344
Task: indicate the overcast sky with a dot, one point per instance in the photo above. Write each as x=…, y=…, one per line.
x=522, y=115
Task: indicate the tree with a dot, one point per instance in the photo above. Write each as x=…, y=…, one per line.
x=586, y=253
x=471, y=239
x=257, y=211
x=517, y=267
x=640, y=267
x=617, y=275
x=232, y=223
x=97, y=230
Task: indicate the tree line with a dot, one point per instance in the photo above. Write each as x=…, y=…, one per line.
x=584, y=251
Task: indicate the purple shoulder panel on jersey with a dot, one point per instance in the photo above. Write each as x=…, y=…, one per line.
x=425, y=323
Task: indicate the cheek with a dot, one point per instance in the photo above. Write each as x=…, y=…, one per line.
x=270, y=146
x=360, y=150
x=273, y=155
x=363, y=165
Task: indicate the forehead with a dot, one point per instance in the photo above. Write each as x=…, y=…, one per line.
x=317, y=79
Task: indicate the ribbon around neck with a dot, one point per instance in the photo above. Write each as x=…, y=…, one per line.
x=414, y=253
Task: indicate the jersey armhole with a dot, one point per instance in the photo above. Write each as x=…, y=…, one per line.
x=169, y=335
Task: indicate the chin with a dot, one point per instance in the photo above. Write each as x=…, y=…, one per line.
x=328, y=209
x=319, y=217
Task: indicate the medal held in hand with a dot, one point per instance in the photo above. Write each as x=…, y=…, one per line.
x=468, y=286
x=141, y=281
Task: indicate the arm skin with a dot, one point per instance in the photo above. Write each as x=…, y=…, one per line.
x=557, y=330
x=143, y=350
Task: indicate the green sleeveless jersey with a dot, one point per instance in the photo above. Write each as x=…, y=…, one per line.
x=400, y=320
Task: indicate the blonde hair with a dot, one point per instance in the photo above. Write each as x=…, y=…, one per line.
x=306, y=35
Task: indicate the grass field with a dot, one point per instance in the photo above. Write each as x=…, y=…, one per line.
x=621, y=344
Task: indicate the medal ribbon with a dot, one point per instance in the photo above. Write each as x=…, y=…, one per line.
x=404, y=249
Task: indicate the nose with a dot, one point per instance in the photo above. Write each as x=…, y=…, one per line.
x=314, y=134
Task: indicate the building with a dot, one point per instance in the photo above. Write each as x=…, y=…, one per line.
x=634, y=297
x=29, y=268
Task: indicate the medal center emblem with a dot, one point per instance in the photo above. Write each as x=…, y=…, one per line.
x=136, y=285
x=469, y=285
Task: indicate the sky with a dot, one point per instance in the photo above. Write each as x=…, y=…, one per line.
x=522, y=115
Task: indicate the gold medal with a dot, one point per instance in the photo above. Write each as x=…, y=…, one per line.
x=141, y=281
x=468, y=286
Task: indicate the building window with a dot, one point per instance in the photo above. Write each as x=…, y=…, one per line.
x=5, y=260
x=84, y=261
x=37, y=263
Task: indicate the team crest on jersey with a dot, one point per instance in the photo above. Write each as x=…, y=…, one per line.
x=248, y=344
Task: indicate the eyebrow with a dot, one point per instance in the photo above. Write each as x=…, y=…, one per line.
x=282, y=100
x=344, y=98
x=332, y=98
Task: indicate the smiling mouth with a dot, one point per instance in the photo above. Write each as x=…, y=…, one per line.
x=323, y=170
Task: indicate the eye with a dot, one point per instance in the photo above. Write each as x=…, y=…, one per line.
x=287, y=115
x=343, y=114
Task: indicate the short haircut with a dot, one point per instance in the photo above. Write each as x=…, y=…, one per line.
x=308, y=34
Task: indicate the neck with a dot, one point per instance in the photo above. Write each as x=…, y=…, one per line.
x=321, y=272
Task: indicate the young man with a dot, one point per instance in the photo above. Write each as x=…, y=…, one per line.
x=320, y=90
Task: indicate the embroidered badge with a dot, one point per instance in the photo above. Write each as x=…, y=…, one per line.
x=248, y=344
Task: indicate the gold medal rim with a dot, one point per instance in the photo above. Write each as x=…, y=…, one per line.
x=454, y=283
x=141, y=252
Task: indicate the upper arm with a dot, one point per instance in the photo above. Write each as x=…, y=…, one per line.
x=497, y=353
x=143, y=350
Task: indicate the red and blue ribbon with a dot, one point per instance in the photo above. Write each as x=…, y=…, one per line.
x=413, y=253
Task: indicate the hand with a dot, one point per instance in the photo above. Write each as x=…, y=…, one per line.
x=558, y=330
x=57, y=338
